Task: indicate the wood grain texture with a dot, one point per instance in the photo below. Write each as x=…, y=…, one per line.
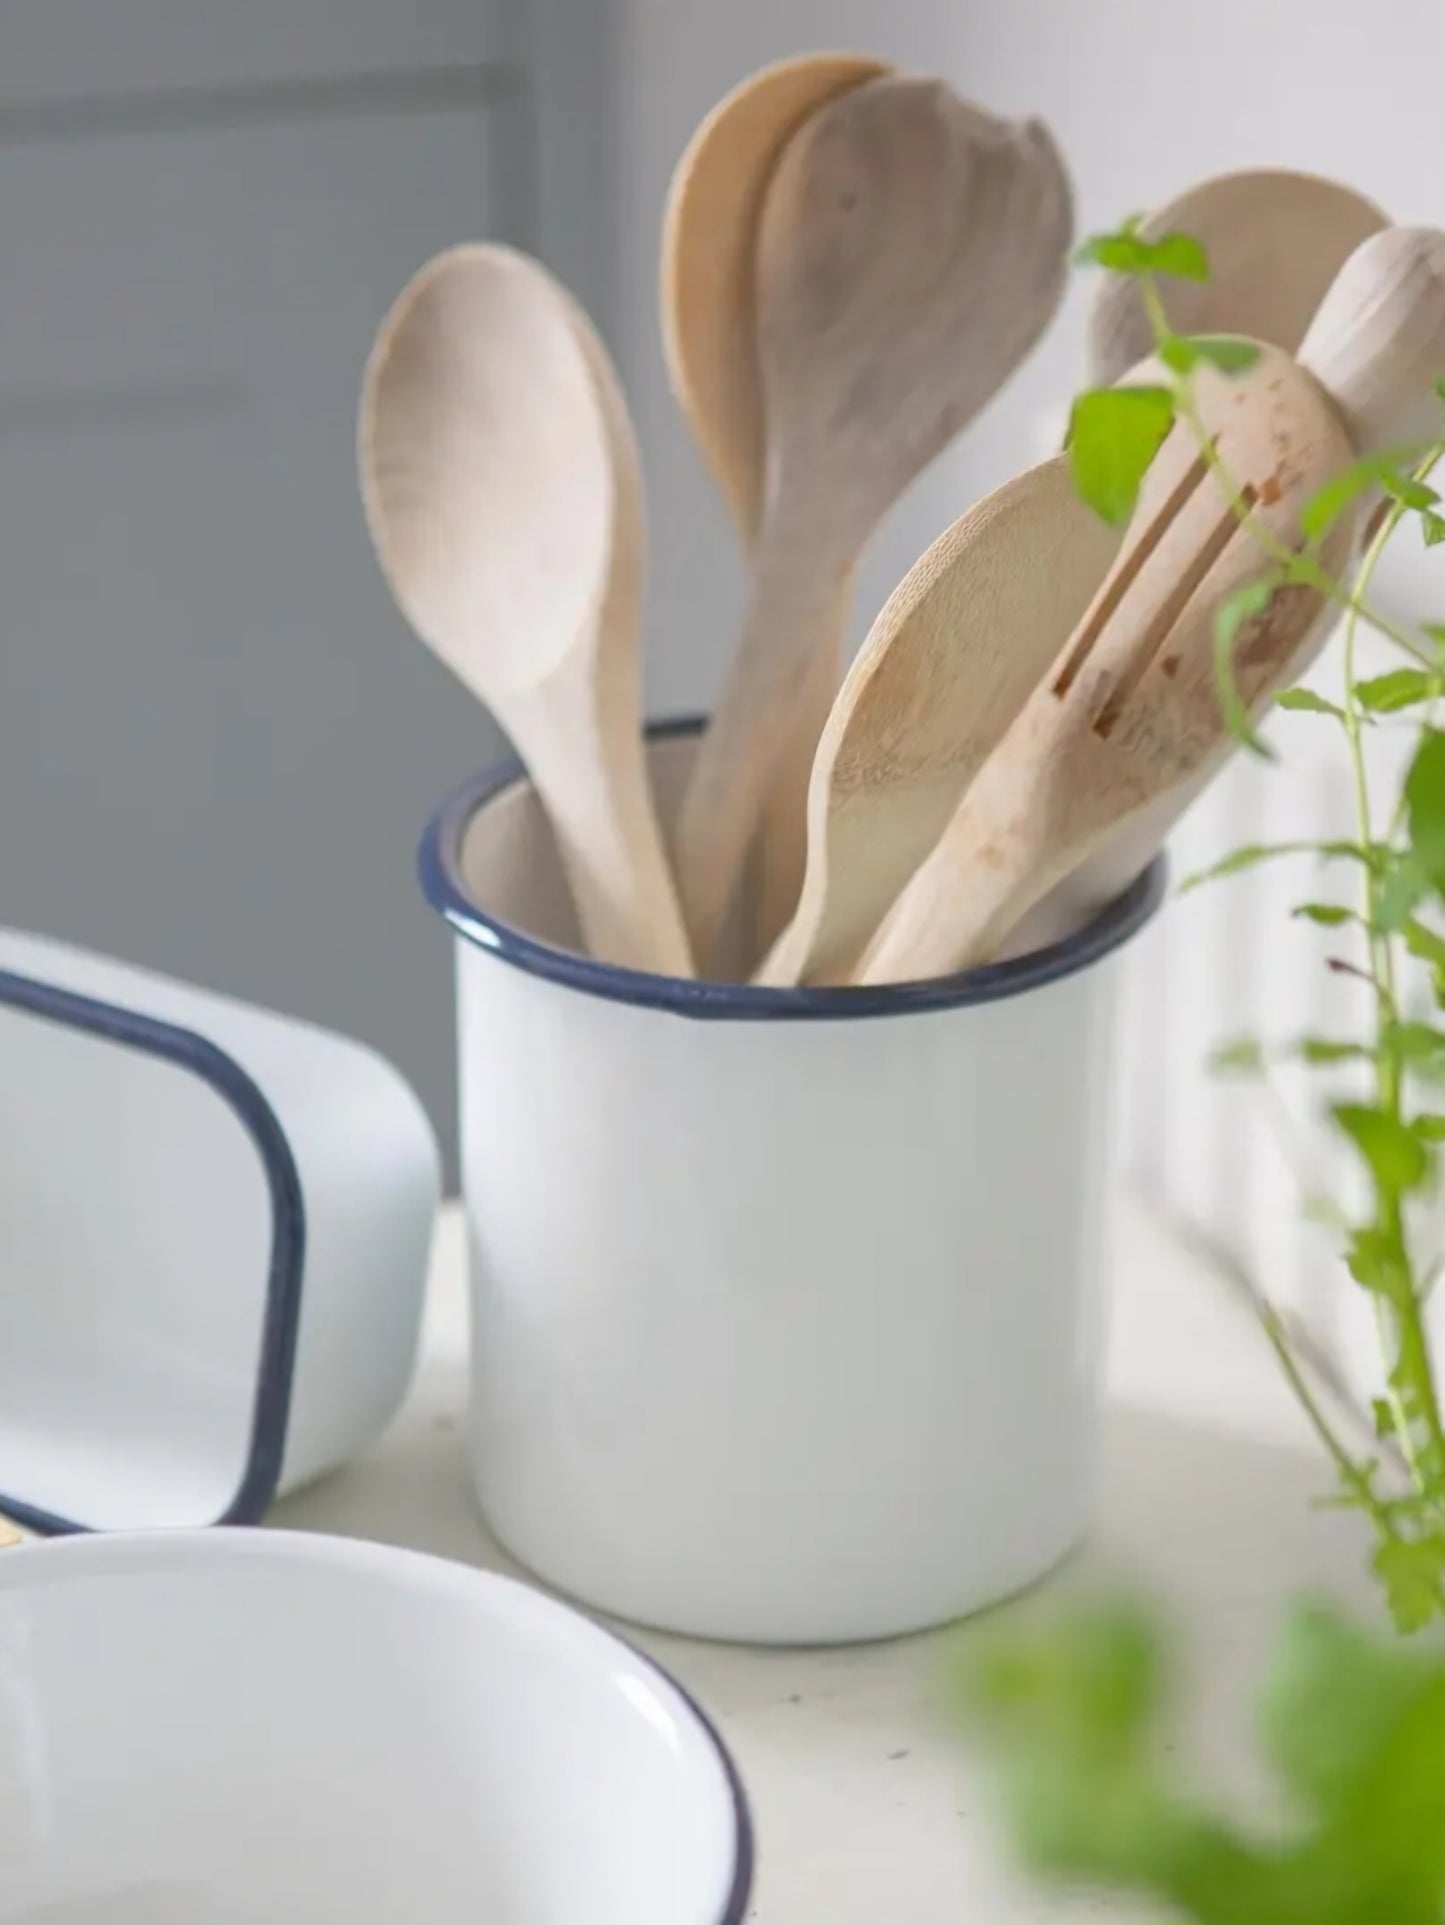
x=1129, y=721
x=708, y=304
x=1275, y=242
x=503, y=492
x=911, y=250
x=956, y=652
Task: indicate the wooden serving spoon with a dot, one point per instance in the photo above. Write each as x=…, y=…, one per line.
x=502, y=490
x=1275, y=242
x=1129, y=714
x=959, y=647
x=911, y=250
x=1377, y=346
x=708, y=301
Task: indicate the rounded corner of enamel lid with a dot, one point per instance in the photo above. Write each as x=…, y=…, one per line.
x=167, y=1161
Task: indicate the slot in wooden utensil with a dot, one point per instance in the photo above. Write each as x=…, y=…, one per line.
x=1133, y=715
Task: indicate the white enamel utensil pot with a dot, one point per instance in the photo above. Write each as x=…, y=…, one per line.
x=786, y=1302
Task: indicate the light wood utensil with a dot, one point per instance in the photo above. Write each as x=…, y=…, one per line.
x=708, y=300
x=1377, y=346
x=911, y=250
x=1129, y=716
x=502, y=489
x=1275, y=242
x=957, y=650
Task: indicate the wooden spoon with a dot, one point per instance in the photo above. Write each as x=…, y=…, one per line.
x=911, y=250
x=1275, y=242
x=1377, y=346
x=957, y=650
x=709, y=293
x=1130, y=715
x=501, y=483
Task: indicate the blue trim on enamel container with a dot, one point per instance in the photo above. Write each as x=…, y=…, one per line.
x=440, y=872
x=281, y=1316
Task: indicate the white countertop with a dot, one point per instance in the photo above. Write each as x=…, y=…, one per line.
x=869, y=1810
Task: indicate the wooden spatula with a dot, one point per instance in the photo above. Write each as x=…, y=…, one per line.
x=911, y=250
x=1130, y=713
x=959, y=647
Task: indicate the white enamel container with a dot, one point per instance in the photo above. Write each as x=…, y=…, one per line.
x=247, y=1728
x=786, y=1303
x=214, y=1231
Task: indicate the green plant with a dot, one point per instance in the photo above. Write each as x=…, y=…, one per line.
x=1354, y=1730
x=1395, y=1119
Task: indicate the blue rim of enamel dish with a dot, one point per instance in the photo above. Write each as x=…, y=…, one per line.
x=260, y=1472
x=137, y=1550
x=440, y=869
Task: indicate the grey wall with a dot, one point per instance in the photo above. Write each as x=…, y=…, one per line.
x=218, y=744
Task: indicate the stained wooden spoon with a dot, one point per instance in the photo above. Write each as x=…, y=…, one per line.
x=959, y=647
x=501, y=483
x=1129, y=719
x=1275, y=242
x=708, y=302
x=911, y=250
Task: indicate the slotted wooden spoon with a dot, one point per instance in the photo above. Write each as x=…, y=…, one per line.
x=1130, y=714
x=502, y=490
x=911, y=250
x=959, y=647
x=709, y=332
x=1275, y=242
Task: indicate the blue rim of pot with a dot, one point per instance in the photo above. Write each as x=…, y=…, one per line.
x=259, y=1472
x=439, y=866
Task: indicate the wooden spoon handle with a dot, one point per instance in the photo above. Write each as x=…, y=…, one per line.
x=1377, y=344
x=590, y=771
x=790, y=621
x=783, y=856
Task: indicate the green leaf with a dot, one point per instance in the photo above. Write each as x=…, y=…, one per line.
x=1334, y=1696
x=1241, y=1056
x=1329, y=915
x=1425, y=805
x=1327, y=504
x=1384, y=1418
x=1304, y=701
x=1396, y=1158
x=1246, y=604
x=1402, y=889
x=1435, y=631
x=1429, y=1127
x=1114, y=434
x=1253, y=853
x=1230, y=353
x=1413, y=1043
x=1178, y=353
x=1433, y=528
x=1401, y=688
x=1410, y=492
x=1423, y=943
x=1319, y=1050
x=1413, y=1573
x=1373, y=1260
x=1127, y=252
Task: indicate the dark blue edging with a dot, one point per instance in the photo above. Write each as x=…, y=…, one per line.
x=439, y=869
x=745, y=1855
x=271, y=1408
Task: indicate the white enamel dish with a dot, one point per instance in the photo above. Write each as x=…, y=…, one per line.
x=238, y=1728
x=214, y=1229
